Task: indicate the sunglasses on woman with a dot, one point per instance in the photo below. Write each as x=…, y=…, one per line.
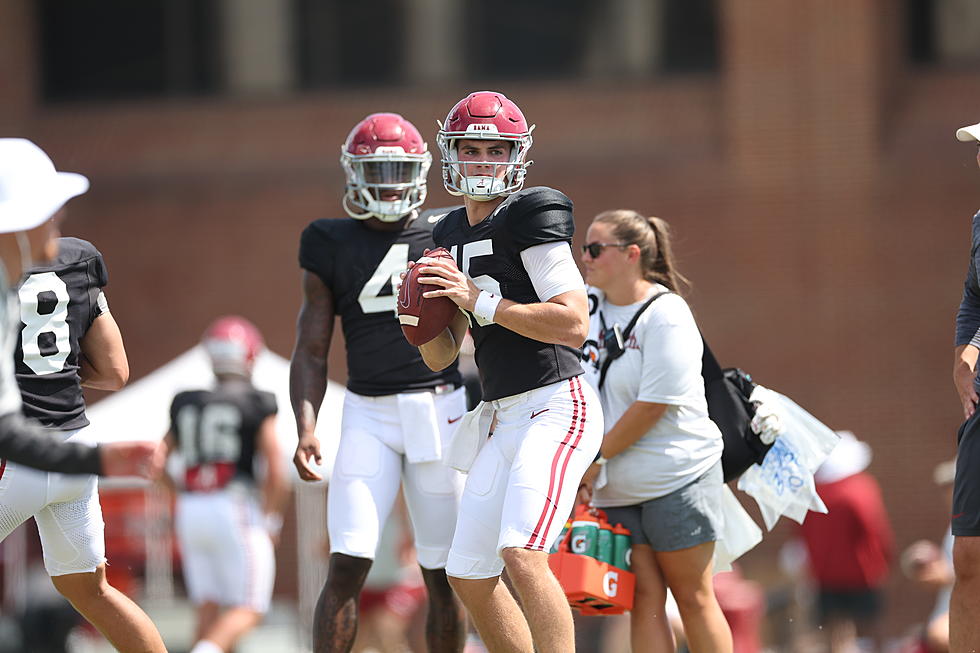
x=594, y=249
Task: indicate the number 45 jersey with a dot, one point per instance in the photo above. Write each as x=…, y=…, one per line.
x=360, y=266
x=59, y=301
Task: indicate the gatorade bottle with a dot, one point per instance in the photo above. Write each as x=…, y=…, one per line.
x=622, y=547
x=585, y=535
x=604, y=548
x=557, y=544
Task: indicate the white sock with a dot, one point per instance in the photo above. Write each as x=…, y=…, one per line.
x=204, y=646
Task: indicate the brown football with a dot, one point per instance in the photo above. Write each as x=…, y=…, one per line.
x=423, y=319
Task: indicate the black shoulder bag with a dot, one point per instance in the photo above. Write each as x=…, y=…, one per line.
x=727, y=392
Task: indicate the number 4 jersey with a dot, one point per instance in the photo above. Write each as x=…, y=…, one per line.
x=58, y=303
x=360, y=265
x=216, y=431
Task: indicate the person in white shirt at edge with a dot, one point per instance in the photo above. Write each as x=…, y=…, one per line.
x=661, y=451
x=65, y=508
x=32, y=197
x=524, y=301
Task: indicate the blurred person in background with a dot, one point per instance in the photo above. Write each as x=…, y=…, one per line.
x=523, y=299
x=661, y=452
x=932, y=567
x=850, y=548
x=398, y=414
x=964, y=609
x=32, y=194
x=226, y=526
x=68, y=339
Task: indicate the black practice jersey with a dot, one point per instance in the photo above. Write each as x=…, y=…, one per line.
x=358, y=264
x=216, y=432
x=490, y=254
x=58, y=303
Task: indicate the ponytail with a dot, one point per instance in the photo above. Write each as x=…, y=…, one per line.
x=652, y=236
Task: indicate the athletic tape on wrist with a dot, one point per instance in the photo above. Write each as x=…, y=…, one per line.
x=486, y=305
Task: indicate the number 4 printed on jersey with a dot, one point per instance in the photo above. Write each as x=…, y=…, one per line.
x=395, y=262
x=391, y=266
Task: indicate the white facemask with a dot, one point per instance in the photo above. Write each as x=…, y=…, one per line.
x=482, y=189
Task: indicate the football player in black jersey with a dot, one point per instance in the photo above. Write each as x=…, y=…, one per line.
x=61, y=307
x=398, y=414
x=525, y=304
x=226, y=527
x=32, y=193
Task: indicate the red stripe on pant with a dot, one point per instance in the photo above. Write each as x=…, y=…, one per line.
x=3, y=466
x=571, y=449
x=552, y=497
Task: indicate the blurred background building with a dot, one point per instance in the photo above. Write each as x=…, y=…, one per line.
x=803, y=152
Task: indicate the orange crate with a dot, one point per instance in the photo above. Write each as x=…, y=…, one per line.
x=591, y=586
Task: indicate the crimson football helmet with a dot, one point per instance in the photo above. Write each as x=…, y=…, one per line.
x=484, y=115
x=232, y=343
x=386, y=163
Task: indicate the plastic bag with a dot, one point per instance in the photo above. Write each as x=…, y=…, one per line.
x=783, y=483
x=739, y=533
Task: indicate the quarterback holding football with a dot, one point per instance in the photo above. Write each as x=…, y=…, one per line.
x=525, y=304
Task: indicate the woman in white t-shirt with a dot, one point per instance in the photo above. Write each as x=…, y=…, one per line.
x=661, y=451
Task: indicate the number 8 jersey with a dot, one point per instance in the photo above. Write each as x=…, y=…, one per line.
x=359, y=265
x=58, y=303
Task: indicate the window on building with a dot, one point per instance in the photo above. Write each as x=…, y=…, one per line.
x=689, y=36
x=349, y=43
x=115, y=49
x=525, y=39
x=943, y=32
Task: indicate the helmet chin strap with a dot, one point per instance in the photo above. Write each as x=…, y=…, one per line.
x=26, y=258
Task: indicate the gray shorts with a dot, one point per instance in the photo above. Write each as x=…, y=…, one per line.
x=682, y=519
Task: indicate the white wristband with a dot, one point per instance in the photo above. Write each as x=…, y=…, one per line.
x=486, y=305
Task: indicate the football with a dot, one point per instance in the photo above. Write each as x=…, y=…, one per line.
x=423, y=319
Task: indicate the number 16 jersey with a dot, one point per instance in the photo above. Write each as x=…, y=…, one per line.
x=360, y=265
x=58, y=303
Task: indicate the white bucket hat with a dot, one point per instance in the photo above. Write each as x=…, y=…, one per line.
x=849, y=457
x=31, y=190
x=968, y=133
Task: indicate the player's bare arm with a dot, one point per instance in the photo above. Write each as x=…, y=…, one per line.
x=103, y=364
x=638, y=419
x=441, y=351
x=167, y=446
x=964, y=373
x=308, y=369
x=562, y=320
x=274, y=487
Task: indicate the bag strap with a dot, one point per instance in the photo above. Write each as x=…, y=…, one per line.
x=710, y=369
x=626, y=334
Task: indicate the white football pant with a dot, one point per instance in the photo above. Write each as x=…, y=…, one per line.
x=522, y=485
x=371, y=465
x=66, y=509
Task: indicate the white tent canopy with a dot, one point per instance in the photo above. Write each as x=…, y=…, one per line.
x=141, y=410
